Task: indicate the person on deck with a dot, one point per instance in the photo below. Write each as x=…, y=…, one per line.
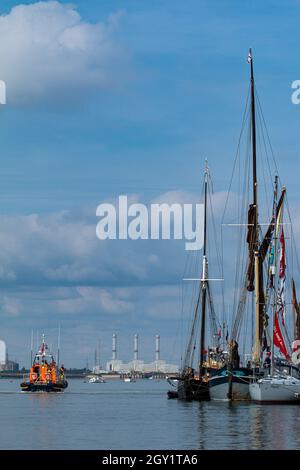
x=62, y=372
x=267, y=362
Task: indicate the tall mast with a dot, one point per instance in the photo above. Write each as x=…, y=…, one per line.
x=253, y=129
x=256, y=351
x=204, y=277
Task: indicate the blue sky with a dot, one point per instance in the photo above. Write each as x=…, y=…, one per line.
x=130, y=102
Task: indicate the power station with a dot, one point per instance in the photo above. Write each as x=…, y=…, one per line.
x=137, y=365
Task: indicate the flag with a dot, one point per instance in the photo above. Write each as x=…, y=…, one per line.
x=278, y=338
x=282, y=255
x=249, y=56
x=281, y=287
x=296, y=312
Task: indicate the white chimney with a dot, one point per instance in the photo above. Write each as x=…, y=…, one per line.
x=136, y=347
x=114, y=347
x=157, y=347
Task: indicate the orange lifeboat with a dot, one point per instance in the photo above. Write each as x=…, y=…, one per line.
x=43, y=374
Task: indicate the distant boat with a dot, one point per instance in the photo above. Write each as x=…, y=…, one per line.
x=172, y=381
x=96, y=379
x=44, y=375
x=129, y=379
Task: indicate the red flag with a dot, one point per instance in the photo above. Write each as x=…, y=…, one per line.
x=282, y=255
x=278, y=338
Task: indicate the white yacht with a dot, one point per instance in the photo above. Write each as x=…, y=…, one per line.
x=96, y=380
x=275, y=389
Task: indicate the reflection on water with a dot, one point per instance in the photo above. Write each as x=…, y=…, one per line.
x=248, y=426
x=118, y=415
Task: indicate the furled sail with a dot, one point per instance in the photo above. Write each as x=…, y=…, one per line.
x=250, y=241
x=269, y=233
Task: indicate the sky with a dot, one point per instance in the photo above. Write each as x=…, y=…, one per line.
x=123, y=97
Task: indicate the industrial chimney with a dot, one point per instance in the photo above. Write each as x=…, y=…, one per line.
x=136, y=347
x=157, y=347
x=114, y=347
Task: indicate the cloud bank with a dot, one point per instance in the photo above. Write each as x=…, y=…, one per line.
x=49, y=53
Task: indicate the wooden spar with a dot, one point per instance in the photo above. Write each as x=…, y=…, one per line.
x=256, y=350
x=255, y=244
x=296, y=312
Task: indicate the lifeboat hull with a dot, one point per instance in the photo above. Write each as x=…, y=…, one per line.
x=43, y=387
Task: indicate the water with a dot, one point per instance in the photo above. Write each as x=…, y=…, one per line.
x=118, y=415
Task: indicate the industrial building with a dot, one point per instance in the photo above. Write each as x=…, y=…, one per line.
x=137, y=365
x=5, y=363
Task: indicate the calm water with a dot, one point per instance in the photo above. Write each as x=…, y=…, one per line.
x=118, y=415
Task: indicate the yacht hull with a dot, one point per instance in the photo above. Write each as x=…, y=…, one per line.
x=275, y=391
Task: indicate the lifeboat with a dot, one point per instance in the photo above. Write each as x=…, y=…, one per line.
x=45, y=375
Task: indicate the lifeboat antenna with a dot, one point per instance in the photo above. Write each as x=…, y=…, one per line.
x=58, y=345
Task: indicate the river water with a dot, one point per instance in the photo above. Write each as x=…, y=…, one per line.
x=118, y=415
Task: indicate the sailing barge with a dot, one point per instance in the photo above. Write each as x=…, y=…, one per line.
x=193, y=382
x=44, y=375
x=263, y=282
x=260, y=287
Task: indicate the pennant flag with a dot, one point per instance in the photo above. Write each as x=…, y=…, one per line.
x=281, y=287
x=282, y=255
x=278, y=338
x=296, y=312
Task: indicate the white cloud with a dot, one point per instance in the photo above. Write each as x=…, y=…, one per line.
x=48, y=52
x=62, y=249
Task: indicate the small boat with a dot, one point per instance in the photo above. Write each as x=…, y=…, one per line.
x=172, y=381
x=129, y=379
x=96, y=379
x=44, y=375
x=172, y=394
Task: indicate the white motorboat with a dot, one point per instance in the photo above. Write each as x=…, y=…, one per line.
x=96, y=380
x=275, y=389
x=129, y=379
